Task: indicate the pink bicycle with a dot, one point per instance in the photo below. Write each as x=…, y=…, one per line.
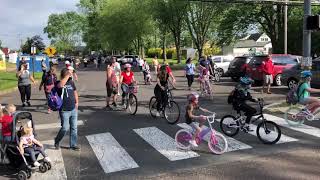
x=217, y=143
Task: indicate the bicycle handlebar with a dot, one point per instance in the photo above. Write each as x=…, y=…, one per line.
x=211, y=118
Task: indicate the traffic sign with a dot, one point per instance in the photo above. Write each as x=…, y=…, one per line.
x=50, y=51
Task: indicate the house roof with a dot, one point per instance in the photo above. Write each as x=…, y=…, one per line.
x=249, y=44
x=254, y=36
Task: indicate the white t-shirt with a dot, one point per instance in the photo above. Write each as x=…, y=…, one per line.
x=117, y=69
x=141, y=62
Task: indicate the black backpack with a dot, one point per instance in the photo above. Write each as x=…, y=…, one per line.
x=232, y=96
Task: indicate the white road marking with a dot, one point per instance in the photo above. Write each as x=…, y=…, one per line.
x=302, y=128
x=111, y=155
x=233, y=144
x=283, y=138
x=53, y=125
x=164, y=144
x=57, y=171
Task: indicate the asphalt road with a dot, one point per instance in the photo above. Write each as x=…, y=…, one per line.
x=116, y=145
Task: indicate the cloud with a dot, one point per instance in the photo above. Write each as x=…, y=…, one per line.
x=20, y=19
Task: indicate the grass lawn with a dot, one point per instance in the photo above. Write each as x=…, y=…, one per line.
x=8, y=80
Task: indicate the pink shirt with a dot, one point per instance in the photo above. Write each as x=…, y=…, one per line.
x=27, y=140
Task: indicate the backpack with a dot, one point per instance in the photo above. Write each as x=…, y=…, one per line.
x=54, y=100
x=292, y=96
x=231, y=96
x=49, y=86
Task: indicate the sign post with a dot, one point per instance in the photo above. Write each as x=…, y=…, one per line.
x=33, y=52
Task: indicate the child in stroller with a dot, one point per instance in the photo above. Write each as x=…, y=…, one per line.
x=23, y=151
x=146, y=73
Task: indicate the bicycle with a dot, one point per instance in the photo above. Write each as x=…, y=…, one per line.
x=130, y=100
x=206, y=89
x=295, y=116
x=170, y=109
x=217, y=143
x=231, y=125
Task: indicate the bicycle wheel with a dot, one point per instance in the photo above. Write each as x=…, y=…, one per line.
x=268, y=132
x=172, y=112
x=218, y=144
x=182, y=139
x=293, y=116
x=229, y=125
x=132, y=104
x=153, y=106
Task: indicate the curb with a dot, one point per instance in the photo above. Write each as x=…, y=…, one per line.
x=10, y=90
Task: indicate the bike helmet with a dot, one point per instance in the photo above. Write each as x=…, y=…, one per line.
x=193, y=96
x=246, y=81
x=305, y=74
x=127, y=66
x=67, y=62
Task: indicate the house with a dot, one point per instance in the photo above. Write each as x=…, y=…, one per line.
x=257, y=43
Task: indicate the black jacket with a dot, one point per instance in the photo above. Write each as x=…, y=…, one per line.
x=240, y=97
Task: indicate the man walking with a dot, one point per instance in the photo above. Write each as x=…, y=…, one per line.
x=155, y=64
x=69, y=110
x=267, y=69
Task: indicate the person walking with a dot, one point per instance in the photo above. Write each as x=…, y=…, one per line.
x=69, y=110
x=48, y=81
x=24, y=84
x=189, y=71
x=155, y=64
x=111, y=84
x=267, y=69
x=21, y=62
x=117, y=69
x=141, y=63
x=43, y=67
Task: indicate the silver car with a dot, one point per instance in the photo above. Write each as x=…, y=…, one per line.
x=291, y=76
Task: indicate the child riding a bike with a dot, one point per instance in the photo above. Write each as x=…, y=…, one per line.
x=127, y=81
x=240, y=96
x=304, y=91
x=193, y=104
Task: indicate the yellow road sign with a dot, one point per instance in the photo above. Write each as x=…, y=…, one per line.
x=50, y=51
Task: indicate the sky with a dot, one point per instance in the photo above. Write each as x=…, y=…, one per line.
x=20, y=19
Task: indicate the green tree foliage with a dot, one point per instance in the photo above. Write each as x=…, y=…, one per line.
x=65, y=29
x=35, y=41
x=200, y=17
x=171, y=14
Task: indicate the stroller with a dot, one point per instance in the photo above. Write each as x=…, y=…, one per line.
x=147, y=79
x=10, y=150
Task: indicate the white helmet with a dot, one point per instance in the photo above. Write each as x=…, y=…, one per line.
x=67, y=62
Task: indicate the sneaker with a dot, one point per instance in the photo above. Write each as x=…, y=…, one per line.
x=193, y=143
x=157, y=114
x=28, y=103
x=75, y=148
x=47, y=159
x=49, y=111
x=36, y=164
x=114, y=104
x=56, y=146
x=23, y=105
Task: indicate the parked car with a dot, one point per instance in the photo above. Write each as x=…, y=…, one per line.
x=128, y=59
x=237, y=67
x=222, y=63
x=280, y=61
x=291, y=76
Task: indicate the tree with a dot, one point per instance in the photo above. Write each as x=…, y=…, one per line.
x=35, y=41
x=65, y=28
x=0, y=44
x=171, y=14
x=199, y=18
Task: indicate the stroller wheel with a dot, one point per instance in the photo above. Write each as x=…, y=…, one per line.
x=22, y=175
x=29, y=173
x=43, y=168
x=48, y=164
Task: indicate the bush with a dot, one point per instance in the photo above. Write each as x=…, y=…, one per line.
x=212, y=51
x=154, y=52
x=170, y=53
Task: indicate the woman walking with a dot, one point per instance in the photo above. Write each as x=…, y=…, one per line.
x=111, y=85
x=48, y=81
x=189, y=71
x=24, y=84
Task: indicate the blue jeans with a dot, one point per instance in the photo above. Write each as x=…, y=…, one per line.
x=69, y=119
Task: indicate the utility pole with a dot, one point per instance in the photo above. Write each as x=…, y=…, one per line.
x=286, y=27
x=307, y=60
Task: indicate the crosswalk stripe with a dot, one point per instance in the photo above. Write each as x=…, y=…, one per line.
x=57, y=171
x=164, y=144
x=283, y=138
x=111, y=155
x=233, y=144
x=302, y=128
x=53, y=125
